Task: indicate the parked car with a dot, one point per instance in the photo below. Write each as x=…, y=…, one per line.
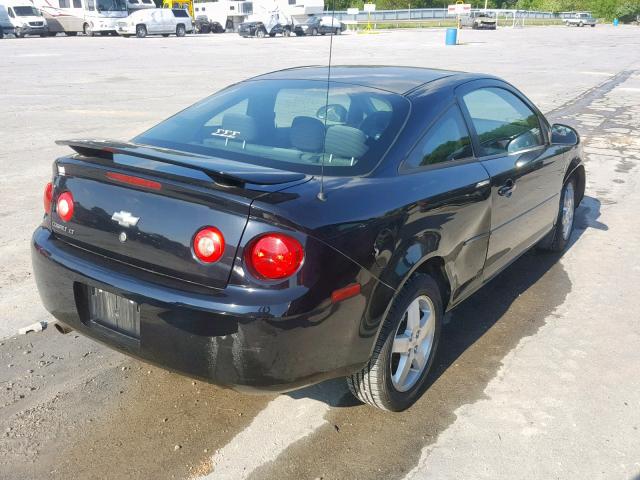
x=156, y=21
x=260, y=29
x=320, y=26
x=25, y=18
x=269, y=238
x=6, y=27
x=204, y=25
x=478, y=20
x=580, y=20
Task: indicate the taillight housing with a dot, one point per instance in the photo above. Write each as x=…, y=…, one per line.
x=274, y=256
x=64, y=206
x=208, y=244
x=48, y=196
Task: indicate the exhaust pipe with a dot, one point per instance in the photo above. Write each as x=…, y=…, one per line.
x=63, y=329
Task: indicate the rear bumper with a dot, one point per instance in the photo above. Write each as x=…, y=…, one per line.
x=231, y=337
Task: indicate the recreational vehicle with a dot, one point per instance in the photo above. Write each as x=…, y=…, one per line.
x=96, y=16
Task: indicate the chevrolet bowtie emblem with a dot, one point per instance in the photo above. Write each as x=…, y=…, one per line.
x=125, y=219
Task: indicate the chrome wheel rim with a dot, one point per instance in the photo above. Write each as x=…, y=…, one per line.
x=412, y=343
x=567, y=211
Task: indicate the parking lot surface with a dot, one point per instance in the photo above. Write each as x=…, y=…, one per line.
x=536, y=376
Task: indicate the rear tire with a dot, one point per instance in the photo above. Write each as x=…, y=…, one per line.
x=558, y=238
x=181, y=31
x=406, y=340
x=261, y=33
x=141, y=31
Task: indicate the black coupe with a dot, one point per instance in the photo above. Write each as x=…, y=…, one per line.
x=265, y=238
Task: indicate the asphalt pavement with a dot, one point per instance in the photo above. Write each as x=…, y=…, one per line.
x=537, y=374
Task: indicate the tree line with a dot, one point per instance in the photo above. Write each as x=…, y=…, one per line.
x=625, y=10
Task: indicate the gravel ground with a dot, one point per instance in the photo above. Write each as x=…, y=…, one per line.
x=537, y=375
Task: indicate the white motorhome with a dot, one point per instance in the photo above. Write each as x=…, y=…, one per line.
x=133, y=5
x=25, y=18
x=97, y=16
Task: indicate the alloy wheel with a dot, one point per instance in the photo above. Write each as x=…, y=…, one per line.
x=412, y=343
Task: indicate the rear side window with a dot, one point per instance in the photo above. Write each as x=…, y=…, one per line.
x=503, y=122
x=180, y=13
x=448, y=139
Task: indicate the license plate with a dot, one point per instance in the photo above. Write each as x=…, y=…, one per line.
x=114, y=312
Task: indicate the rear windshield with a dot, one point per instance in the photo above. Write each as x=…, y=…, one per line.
x=287, y=125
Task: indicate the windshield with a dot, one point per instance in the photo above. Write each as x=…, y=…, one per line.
x=112, y=5
x=26, y=12
x=286, y=125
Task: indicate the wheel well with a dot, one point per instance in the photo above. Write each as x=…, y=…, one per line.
x=580, y=177
x=435, y=268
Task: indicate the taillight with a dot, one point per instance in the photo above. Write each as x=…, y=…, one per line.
x=274, y=256
x=48, y=195
x=64, y=206
x=208, y=245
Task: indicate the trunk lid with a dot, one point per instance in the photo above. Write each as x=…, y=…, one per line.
x=142, y=206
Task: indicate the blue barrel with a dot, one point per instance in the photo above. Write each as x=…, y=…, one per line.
x=452, y=36
x=615, y=22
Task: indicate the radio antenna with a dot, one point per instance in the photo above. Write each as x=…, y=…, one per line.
x=321, y=195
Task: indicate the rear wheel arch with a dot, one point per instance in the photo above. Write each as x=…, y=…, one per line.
x=576, y=171
x=434, y=266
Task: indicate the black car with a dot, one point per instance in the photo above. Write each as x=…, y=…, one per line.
x=204, y=25
x=260, y=30
x=268, y=239
x=319, y=26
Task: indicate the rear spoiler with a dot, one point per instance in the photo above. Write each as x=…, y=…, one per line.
x=218, y=169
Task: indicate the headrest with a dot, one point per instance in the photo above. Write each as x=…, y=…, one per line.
x=307, y=134
x=375, y=124
x=346, y=142
x=241, y=123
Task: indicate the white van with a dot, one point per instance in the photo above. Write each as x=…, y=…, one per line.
x=25, y=18
x=156, y=21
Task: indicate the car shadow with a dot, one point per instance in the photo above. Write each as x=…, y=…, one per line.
x=470, y=321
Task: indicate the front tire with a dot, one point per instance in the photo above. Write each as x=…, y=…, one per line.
x=141, y=31
x=395, y=376
x=261, y=33
x=558, y=238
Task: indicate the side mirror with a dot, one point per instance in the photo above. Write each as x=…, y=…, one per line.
x=564, y=135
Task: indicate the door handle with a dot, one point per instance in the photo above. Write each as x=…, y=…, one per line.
x=507, y=189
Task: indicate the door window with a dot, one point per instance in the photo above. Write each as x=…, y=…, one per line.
x=503, y=122
x=447, y=140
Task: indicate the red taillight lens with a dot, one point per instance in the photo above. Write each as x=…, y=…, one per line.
x=275, y=256
x=208, y=244
x=64, y=206
x=48, y=195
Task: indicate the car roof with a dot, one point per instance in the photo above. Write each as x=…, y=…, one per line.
x=399, y=80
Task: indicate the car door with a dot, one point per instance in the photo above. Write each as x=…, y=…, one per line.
x=169, y=21
x=455, y=191
x=154, y=21
x=511, y=139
